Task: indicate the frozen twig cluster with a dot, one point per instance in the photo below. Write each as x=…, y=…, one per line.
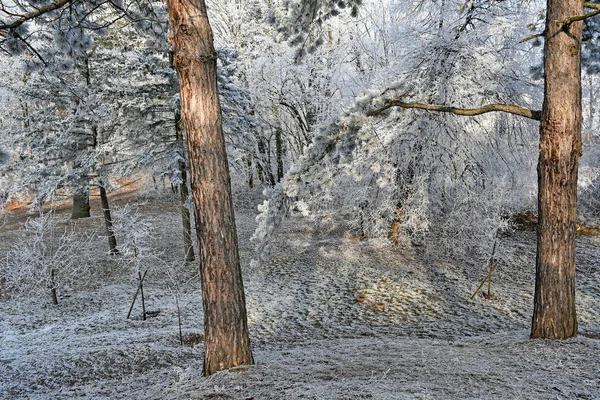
x=48, y=256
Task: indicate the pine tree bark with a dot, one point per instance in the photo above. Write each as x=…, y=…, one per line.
x=227, y=341
x=81, y=203
x=559, y=153
x=188, y=245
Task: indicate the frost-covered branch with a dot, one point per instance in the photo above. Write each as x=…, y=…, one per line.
x=34, y=14
x=508, y=108
x=47, y=257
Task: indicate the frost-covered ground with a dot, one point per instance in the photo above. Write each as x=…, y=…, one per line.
x=330, y=318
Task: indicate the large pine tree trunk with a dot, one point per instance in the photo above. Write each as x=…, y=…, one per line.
x=227, y=341
x=81, y=203
x=554, y=314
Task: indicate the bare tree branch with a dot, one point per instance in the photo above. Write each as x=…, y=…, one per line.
x=34, y=14
x=508, y=108
x=537, y=35
x=30, y=47
x=570, y=20
x=595, y=6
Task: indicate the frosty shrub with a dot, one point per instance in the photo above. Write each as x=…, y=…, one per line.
x=139, y=254
x=135, y=233
x=140, y=251
x=46, y=257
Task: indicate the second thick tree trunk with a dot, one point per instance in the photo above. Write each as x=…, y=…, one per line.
x=279, y=152
x=110, y=234
x=560, y=149
x=81, y=203
x=227, y=341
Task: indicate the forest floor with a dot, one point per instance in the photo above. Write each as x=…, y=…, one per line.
x=331, y=317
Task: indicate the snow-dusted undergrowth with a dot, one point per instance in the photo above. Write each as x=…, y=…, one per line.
x=331, y=317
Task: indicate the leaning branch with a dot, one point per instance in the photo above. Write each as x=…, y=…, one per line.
x=537, y=35
x=31, y=48
x=508, y=108
x=570, y=20
x=595, y=6
x=34, y=14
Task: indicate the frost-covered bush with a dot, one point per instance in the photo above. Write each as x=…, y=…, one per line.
x=140, y=254
x=135, y=233
x=47, y=256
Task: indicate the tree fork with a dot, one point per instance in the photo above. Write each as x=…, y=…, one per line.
x=570, y=20
x=227, y=342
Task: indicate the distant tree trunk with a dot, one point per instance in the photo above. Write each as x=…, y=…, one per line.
x=188, y=245
x=53, y=293
x=258, y=161
x=81, y=203
x=590, y=134
x=264, y=163
x=279, y=152
x=250, y=171
x=227, y=342
x=110, y=234
x=554, y=314
x=81, y=195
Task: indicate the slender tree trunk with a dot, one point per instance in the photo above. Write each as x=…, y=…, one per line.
x=142, y=294
x=554, y=314
x=279, y=153
x=81, y=195
x=264, y=163
x=53, y=293
x=227, y=342
x=81, y=202
x=271, y=176
x=250, y=171
x=188, y=245
x=110, y=234
x=260, y=171
x=592, y=111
